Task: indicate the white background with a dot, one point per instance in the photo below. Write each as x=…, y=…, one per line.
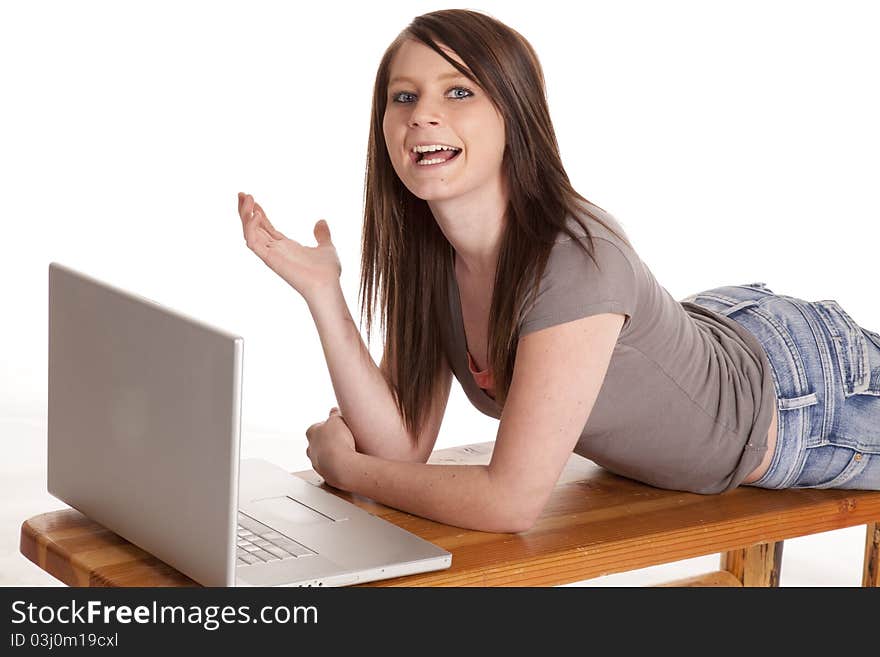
x=735, y=142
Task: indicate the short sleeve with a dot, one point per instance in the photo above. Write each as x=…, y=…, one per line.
x=573, y=287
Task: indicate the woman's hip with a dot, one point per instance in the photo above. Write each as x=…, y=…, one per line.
x=826, y=371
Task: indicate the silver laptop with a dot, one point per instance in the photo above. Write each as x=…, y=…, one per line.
x=144, y=419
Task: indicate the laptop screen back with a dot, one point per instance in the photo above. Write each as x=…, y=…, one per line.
x=144, y=422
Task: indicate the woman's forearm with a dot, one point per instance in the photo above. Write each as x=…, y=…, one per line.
x=362, y=393
x=460, y=495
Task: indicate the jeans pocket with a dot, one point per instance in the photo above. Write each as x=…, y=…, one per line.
x=851, y=353
x=831, y=466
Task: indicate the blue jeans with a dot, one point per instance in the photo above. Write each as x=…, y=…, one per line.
x=826, y=370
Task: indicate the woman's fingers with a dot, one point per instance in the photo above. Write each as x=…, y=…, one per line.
x=245, y=205
x=245, y=208
x=251, y=213
x=255, y=226
x=322, y=232
x=264, y=221
x=258, y=241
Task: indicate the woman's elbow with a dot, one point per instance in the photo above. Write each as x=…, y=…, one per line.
x=510, y=513
x=521, y=527
x=516, y=527
x=515, y=520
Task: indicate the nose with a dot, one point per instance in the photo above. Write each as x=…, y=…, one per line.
x=424, y=113
x=416, y=123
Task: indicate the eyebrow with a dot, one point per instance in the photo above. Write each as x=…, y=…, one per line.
x=445, y=76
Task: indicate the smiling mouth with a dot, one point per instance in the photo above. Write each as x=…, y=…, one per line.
x=429, y=159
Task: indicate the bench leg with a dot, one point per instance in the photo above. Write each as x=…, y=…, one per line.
x=871, y=570
x=758, y=565
x=714, y=579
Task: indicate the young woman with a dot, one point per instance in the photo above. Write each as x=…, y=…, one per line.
x=490, y=267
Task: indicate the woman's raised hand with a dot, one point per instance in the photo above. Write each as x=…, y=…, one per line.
x=308, y=269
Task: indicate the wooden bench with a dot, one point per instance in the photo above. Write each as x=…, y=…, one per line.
x=595, y=523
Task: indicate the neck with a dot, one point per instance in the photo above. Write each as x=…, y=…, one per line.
x=474, y=225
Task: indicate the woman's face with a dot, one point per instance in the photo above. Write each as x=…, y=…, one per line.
x=430, y=102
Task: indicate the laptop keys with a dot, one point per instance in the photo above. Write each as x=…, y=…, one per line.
x=258, y=543
x=245, y=558
x=265, y=556
x=277, y=551
x=293, y=547
x=247, y=523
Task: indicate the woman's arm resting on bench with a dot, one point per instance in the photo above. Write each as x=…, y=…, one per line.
x=557, y=377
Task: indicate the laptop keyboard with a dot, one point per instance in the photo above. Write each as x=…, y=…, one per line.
x=258, y=543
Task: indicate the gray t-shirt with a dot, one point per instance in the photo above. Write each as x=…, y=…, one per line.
x=688, y=398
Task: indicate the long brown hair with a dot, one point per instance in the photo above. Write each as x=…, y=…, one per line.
x=406, y=259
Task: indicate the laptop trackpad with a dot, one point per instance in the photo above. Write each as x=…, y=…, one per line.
x=287, y=509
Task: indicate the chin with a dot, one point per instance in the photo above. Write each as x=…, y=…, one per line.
x=434, y=189
x=427, y=194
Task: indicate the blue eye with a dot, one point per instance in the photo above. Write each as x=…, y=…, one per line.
x=467, y=91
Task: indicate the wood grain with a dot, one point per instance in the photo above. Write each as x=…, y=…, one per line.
x=716, y=578
x=757, y=565
x=871, y=571
x=595, y=523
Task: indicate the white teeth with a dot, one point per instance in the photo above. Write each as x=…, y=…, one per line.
x=435, y=161
x=433, y=147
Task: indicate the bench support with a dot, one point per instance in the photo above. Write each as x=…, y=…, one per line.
x=715, y=579
x=871, y=572
x=757, y=565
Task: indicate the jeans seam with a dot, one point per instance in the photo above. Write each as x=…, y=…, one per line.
x=803, y=384
x=872, y=336
x=827, y=364
x=853, y=374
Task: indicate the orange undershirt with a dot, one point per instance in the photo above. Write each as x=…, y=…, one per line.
x=484, y=379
